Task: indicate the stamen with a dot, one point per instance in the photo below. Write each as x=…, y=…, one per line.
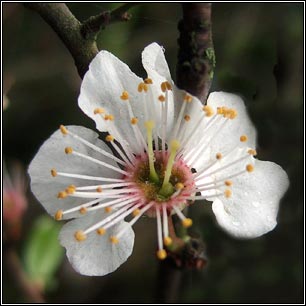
x=243, y=138
x=249, y=168
x=62, y=195
x=165, y=190
x=96, y=148
x=99, y=162
x=101, y=231
x=88, y=177
x=134, y=120
x=125, y=95
x=83, y=210
x=218, y=156
x=149, y=125
x=63, y=130
x=80, y=235
x=167, y=239
x=148, y=81
x=228, y=183
x=113, y=239
x=108, y=209
x=58, y=215
x=99, y=110
x=140, y=212
x=252, y=152
x=187, y=118
x=161, y=254
x=228, y=193
x=186, y=222
x=109, y=138
x=53, y=172
x=68, y=150
x=208, y=110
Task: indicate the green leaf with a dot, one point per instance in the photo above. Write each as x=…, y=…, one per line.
x=42, y=252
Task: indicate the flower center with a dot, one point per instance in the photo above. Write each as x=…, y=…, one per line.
x=171, y=176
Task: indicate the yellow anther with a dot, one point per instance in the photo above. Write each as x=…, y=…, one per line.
x=70, y=189
x=99, y=110
x=140, y=87
x=145, y=87
x=220, y=110
x=187, y=98
x=149, y=124
x=179, y=186
x=249, y=168
x=62, y=195
x=163, y=86
x=101, y=231
x=108, y=209
x=83, y=210
x=168, y=85
x=227, y=193
x=162, y=98
x=58, y=215
x=232, y=113
x=187, y=117
x=124, y=95
x=252, y=152
x=136, y=212
x=187, y=222
x=208, y=110
x=53, y=172
x=167, y=241
x=113, y=239
x=99, y=189
x=175, y=144
x=63, y=129
x=109, y=138
x=243, y=138
x=68, y=150
x=161, y=254
x=148, y=81
x=228, y=183
x=109, y=117
x=218, y=156
x=80, y=235
x=134, y=120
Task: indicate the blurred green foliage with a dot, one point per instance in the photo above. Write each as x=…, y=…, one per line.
x=42, y=253
x=259, y=54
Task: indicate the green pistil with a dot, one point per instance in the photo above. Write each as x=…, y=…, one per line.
x=153, y=175
x=167, y=189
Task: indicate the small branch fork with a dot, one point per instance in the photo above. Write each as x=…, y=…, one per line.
x=79, y=38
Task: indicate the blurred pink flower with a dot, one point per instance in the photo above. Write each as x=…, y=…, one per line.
x=14, y=199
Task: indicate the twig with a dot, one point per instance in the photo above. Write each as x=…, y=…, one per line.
x=93, y=24
x=31, y=291
x=67, y=27
x=196, y=57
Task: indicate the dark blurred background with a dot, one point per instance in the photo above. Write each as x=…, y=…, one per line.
x=259, y=52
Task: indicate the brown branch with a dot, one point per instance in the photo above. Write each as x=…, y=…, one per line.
x=68, y=28
x=196, y=57
x=93, y=24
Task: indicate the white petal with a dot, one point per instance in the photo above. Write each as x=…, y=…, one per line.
x=229, y=136
x=52, y=155
x=154, y=62
x=96, y=255
x=252, y=209
x=103, y=85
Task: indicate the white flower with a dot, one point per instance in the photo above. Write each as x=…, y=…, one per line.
x=170, y=150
